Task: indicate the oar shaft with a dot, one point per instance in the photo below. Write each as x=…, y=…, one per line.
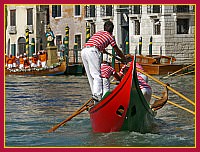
x=119, y=59
x=69, y=118
x=183, y=74
x=163, y=84
x=172, y=103
x=84, y=104
x=179, y=70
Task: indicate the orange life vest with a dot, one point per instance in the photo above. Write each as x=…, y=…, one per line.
x=34, y=60
x=14, y=59
x=21, y=60
x=10, y=60
x=43, y=57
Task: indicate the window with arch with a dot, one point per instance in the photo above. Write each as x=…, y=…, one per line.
x=21, y=45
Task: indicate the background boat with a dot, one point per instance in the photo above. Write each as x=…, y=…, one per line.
x=155, y=64
x=56, y=69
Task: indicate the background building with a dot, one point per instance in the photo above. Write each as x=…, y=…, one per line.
x=170, y=28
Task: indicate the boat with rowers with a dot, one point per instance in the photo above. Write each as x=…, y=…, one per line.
x=125, y=108
x=55, y=69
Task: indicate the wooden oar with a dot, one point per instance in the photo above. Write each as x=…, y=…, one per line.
x=84, y=104
x=81, y=109
x=114, y=82
x=119, y=59
x=183, y=74
x=178, y=71
x=172, y=103
x=163, y=84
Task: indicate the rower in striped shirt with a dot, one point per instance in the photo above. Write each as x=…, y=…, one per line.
x=144, y=86
x=106, y=72
x=91, y=57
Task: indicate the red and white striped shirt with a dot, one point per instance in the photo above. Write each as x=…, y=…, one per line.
x=141, y=81
x=125, y=66
x=101, y=40
x=106, y=71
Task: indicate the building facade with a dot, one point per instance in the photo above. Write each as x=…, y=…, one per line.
x=25, y=28
x=169, y=28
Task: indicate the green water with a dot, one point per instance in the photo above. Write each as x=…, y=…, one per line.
x=35, y=104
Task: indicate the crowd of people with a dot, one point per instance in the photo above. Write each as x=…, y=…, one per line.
x=24, y=62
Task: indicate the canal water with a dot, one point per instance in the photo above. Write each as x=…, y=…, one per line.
x=35, y=104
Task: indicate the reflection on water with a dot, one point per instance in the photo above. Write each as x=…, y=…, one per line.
x=35, y=104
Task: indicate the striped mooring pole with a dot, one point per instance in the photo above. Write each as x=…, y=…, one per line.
x=41, y=47
x=150, y=46
x=140, y=45
x=27, y=40
x=76, y=51
x=32, y=47
x=127, y=44
x=66, y=41
x=113, y=59
x=160, y=50
x=87, y=33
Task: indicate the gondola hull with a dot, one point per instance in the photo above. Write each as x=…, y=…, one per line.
x=123, y=109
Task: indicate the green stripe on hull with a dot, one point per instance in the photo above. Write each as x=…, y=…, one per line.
x=139, y=116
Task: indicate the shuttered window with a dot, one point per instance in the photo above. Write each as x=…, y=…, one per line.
x=77, y=10
x=92, y=10
x=157, y=27
x=182, y=26
x=137, y=27
x=78, y=40
x=56, y=10
x=12, y=17
x=30, y=16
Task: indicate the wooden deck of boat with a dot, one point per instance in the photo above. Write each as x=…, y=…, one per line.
x=159, y=69
x=155, y=69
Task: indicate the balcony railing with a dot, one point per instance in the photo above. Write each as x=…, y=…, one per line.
x=90, y=11
x=107, y=11
x=184, y=9
x=154, y=9
x=136, y=9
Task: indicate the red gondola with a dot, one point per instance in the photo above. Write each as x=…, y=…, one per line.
x=125, y=108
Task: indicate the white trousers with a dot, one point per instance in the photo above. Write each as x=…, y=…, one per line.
x=33, y=65
x=38, y=63
x=14, y=65
x=10, y=66
x=21, y=66
x=106, y=85
x=43, y=64
x=91, y=58
x=147, y=93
